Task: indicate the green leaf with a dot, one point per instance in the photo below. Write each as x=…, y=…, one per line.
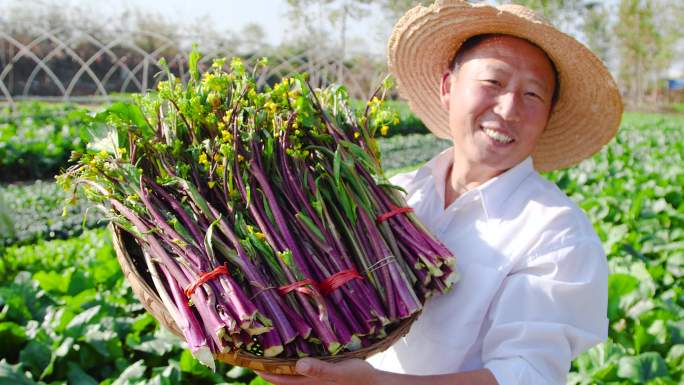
x=36, y=356
x=161, y=343
x=189, y=364
x=193, y=63
x=64, y=347
x=80, y=281
x=237, y=372
x=600, y=362
x=13, y=375
x=641, y=338
x=80, y=321
x=13, y=338
x=166, y=375
x=108, y=142
x=259, y=381
x=337, y=161
x=130, y=113
x=52, y=281
x=104, y=341
x=208, y=237
x=132, y=374
x=642, y=368
x=310, y=224
x=618, y=286
x=675, y=357
x=77, y=376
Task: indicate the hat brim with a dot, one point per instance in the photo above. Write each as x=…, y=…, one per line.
x=589, y=107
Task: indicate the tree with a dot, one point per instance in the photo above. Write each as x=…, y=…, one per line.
x=645, y=47
x=308, y=14
x=596, y=29
x=396, y=8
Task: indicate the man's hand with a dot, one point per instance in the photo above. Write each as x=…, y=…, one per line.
x=317, y=372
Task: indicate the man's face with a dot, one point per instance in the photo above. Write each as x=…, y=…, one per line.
x=499, y=101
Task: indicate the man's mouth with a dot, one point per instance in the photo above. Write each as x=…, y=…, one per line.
x=497, y=136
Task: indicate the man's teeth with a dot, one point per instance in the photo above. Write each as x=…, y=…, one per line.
x=499, y=137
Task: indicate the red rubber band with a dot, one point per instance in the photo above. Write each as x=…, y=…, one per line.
x=298, y=286
x=394, y=210
x=204, y=278
x=338, y=279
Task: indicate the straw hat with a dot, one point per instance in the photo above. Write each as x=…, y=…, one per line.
x=589, y=107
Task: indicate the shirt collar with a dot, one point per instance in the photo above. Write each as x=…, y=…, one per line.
x=492, y=194
x=496, y=191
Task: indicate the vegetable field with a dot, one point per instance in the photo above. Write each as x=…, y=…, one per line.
x=68, y=317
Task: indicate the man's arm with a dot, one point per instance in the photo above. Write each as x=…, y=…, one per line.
x=359, y=372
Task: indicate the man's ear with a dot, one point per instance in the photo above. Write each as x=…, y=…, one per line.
x=445, y=90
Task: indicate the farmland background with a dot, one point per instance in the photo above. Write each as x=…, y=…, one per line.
x=67, y=316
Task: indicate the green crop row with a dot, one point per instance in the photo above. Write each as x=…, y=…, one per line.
x=37, y=211
x=36, y=139
x=633, y=193
x=68, y=317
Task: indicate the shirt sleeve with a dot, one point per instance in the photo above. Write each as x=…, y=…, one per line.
x=547, y=311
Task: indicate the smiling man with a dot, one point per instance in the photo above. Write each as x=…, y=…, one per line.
x=515, y=96
x=498, y=106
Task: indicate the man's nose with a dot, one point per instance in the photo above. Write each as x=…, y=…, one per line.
x=508, y=106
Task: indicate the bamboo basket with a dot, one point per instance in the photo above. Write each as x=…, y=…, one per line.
x=130, y=257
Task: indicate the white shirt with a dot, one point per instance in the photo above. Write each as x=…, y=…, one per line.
x=533, y=288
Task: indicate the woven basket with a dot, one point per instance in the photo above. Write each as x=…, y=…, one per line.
x=130, y=258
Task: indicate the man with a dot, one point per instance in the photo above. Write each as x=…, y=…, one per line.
x=518, y=95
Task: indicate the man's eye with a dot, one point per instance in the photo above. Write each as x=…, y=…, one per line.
x=534, y=95
x=493, y=82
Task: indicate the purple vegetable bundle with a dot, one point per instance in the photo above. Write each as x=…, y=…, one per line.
x=266, y=221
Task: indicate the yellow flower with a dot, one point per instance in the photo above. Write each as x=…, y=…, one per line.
x=357, y=135
x=383, y=130
x=396, y=120
x=260, y=235
x=122, y=150
x=375, y=100
x=211, y=184
x=271, y=107
x=203, y=159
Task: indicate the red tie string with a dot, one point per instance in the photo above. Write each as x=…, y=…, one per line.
x=338, y=279
x=394, y=210
x=204, y=278
x=298, y=286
